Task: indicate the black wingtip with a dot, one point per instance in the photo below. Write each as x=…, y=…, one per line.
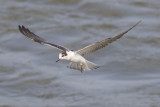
x=23, y=27
x=19, y=27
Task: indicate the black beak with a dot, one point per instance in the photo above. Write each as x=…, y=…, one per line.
x=57, y=60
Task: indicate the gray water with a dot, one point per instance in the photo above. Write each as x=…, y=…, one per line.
x=129, y=75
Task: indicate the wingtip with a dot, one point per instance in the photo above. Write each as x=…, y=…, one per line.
x=138, y=22
x=131, y=28
x=19, y=26
x=23, y=27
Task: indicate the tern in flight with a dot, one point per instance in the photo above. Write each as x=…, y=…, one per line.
x=77, y=61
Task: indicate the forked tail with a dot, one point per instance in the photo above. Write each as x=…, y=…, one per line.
x=90, y=66
x=87, y=66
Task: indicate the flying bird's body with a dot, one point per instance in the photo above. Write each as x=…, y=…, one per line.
x=77, y=61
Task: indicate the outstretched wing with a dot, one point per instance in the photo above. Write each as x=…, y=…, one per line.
x=100, y=44
x=26, y=32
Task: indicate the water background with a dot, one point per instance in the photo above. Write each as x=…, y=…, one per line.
x=129, y=75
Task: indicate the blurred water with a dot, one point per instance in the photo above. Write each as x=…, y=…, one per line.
x=129, y=75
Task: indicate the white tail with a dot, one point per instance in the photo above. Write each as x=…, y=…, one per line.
x=86, y=66
x=90, y=66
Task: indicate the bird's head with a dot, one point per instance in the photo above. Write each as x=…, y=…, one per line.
x=62, y=56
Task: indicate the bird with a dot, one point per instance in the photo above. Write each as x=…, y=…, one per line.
x=76, y=58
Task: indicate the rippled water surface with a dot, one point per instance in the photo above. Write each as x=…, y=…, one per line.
x=129, y=75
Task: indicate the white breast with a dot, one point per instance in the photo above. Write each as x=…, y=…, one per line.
x=74, y=57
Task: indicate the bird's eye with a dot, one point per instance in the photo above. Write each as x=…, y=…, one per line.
x=64, y=54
